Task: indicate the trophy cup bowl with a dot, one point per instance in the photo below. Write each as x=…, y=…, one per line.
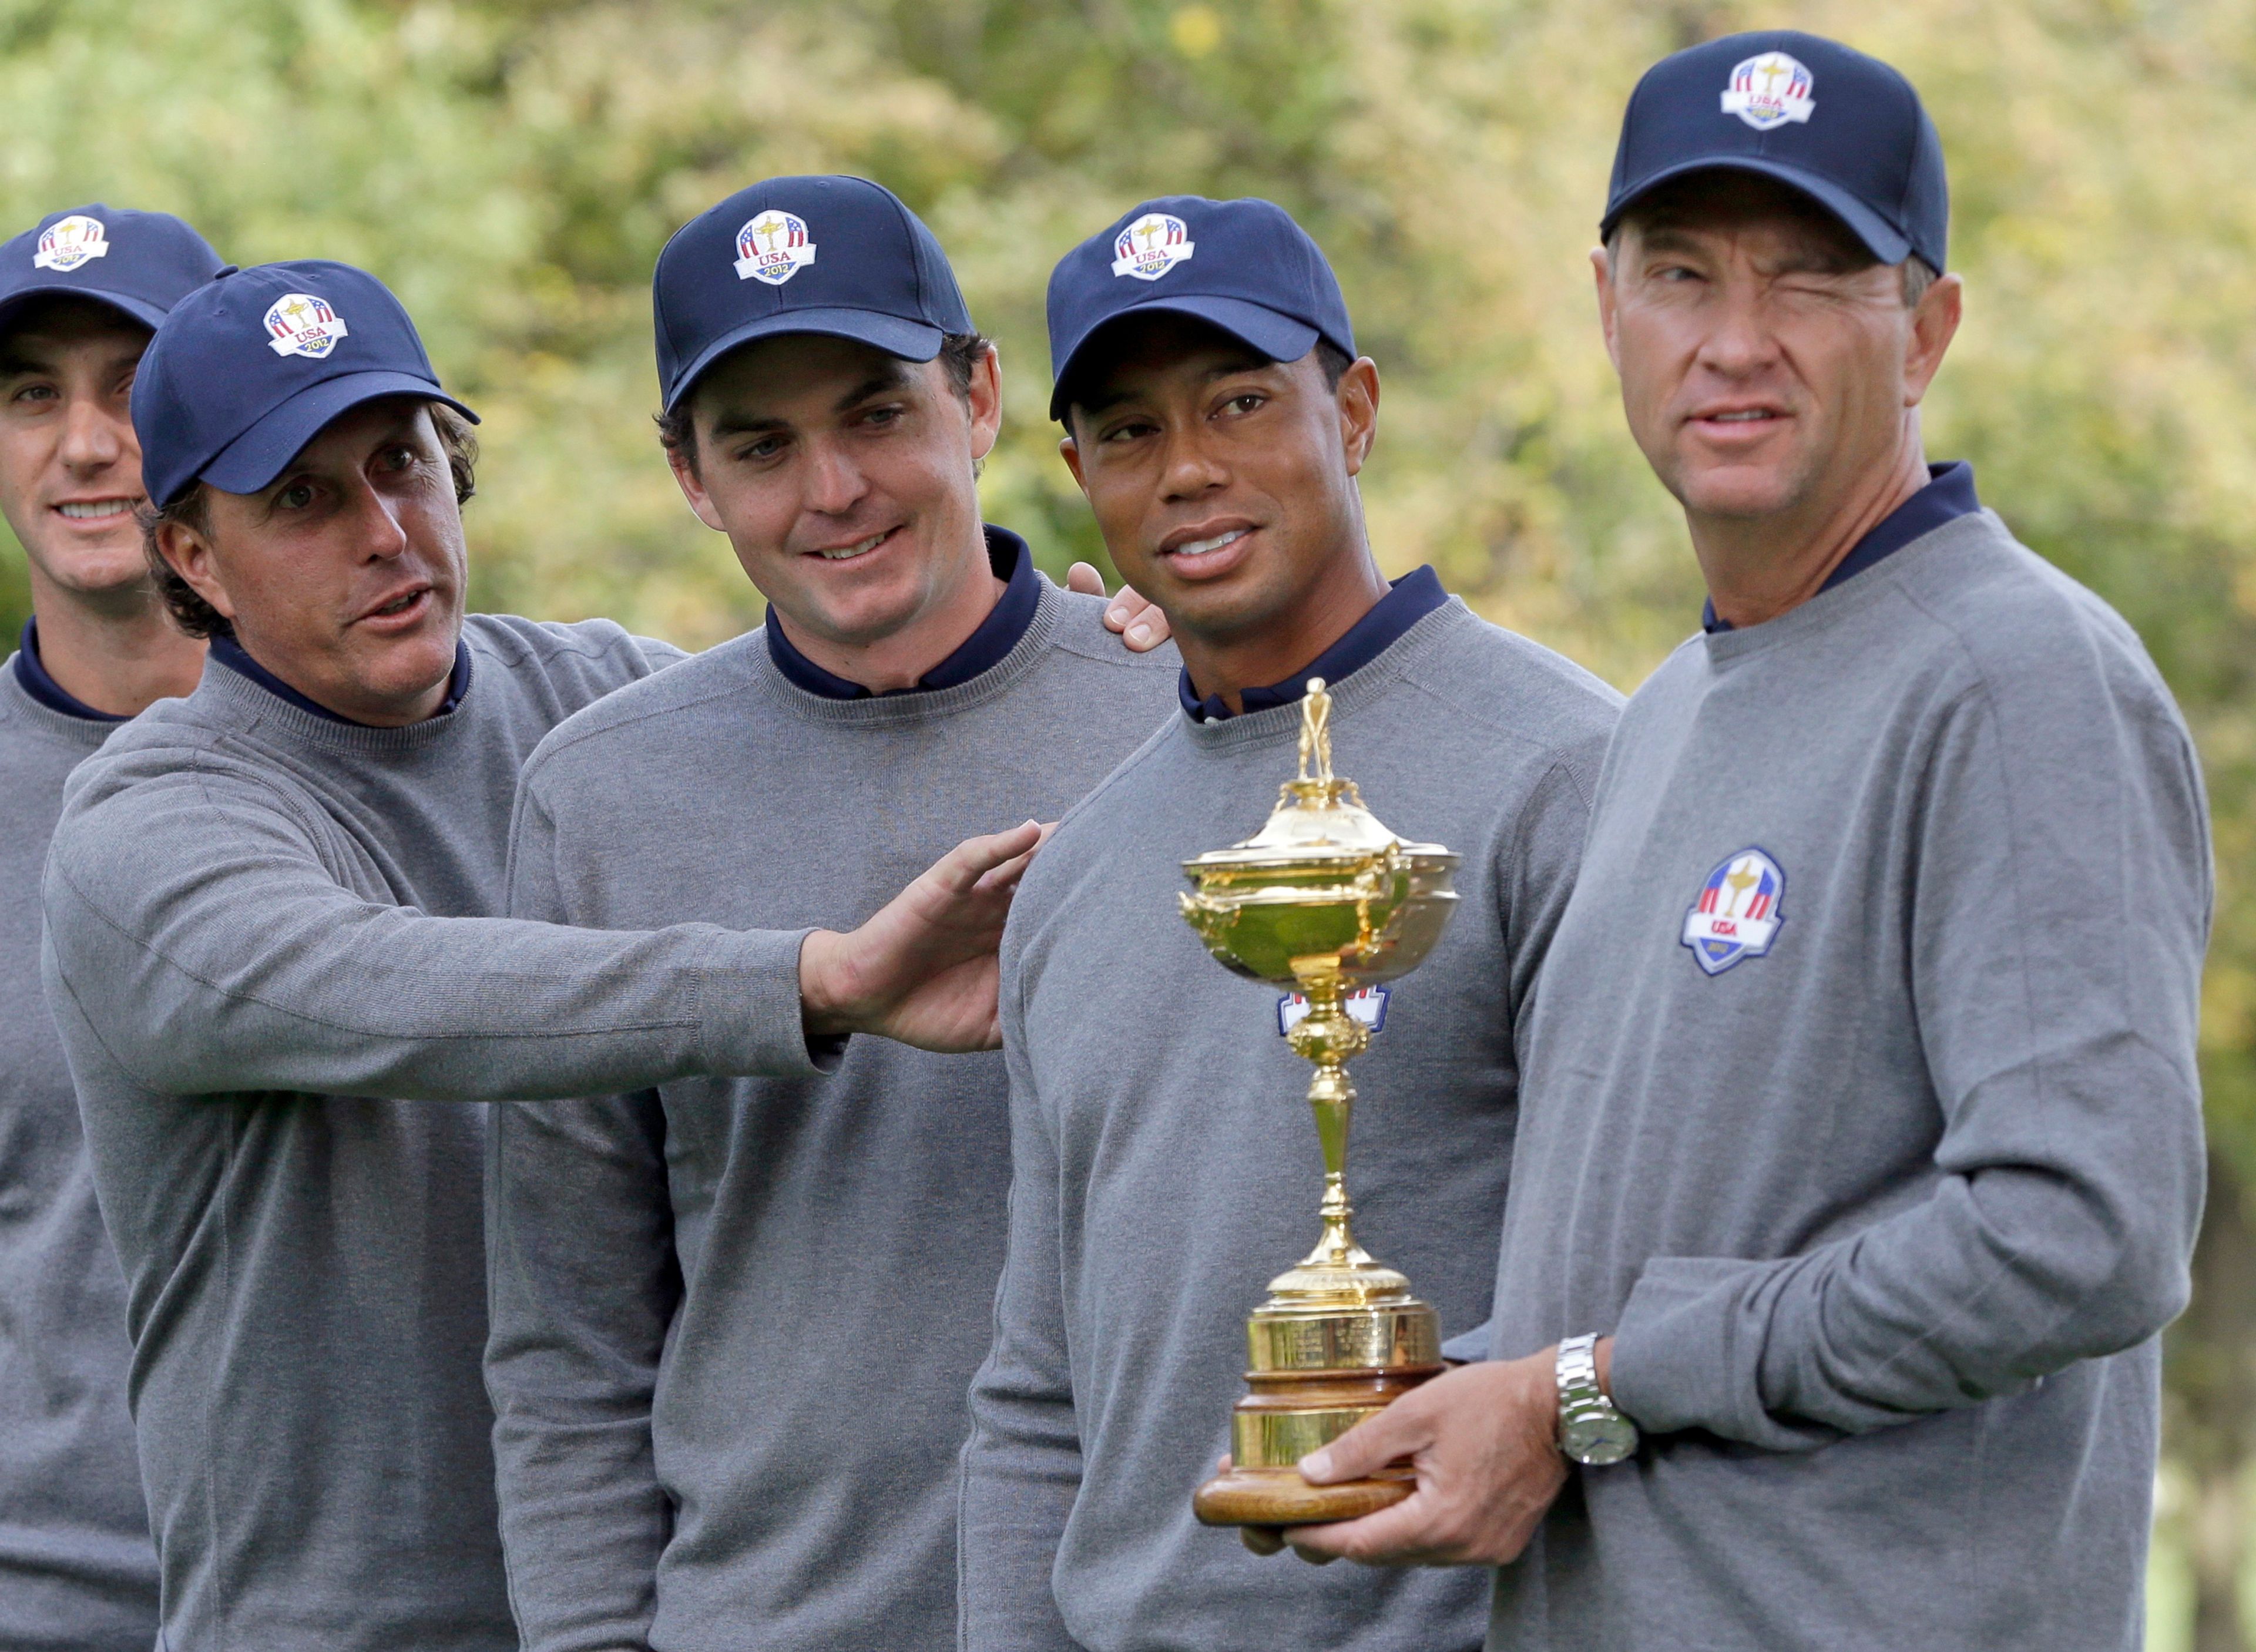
x=1323, y=900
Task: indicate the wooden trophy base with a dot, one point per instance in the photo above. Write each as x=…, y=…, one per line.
x=1280, y=1497
x=1287, y=1415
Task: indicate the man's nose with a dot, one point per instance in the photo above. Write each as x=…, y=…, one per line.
x=835, y=482
x=1189, y=466
x=378, y=534
x=93, y=437
x=1739, y=341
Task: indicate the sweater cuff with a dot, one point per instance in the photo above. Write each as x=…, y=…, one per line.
x=1687, y=1354
x=751, y=1022
x=1470, y=1347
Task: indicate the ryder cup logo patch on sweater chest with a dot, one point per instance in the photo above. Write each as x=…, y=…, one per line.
x=1736, y=914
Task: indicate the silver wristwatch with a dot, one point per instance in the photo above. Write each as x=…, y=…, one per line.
x=1591, y=1430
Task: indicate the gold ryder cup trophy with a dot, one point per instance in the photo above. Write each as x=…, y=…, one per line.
x=1323, y=900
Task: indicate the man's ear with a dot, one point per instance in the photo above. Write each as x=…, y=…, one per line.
x=189, y=555
x=685, y=477
x=986, y=394
x=1602, y=266
x=1358, y=411
x=1069, y=450
x=1934, y=324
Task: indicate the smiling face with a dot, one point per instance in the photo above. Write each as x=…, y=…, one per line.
x=70, y=467
x=845, y=479
x=1223, y=484
x=344, y=575
x=1770, y=368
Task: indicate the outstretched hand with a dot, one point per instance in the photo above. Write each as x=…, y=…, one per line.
x=923, y=970
x=1139, y=622
x=1483, y=1439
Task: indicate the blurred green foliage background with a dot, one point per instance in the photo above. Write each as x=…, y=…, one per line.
x=512, y=166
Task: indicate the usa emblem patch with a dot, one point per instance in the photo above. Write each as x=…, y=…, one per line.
x=1736, y=916
x=1770, y=90
x=299, y=324
x=1367, y=1005
x=772, y=247
x=67, y=243
x=1152, y=246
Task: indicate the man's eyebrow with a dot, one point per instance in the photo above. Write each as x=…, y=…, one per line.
x=1111, y=398
x=892, y=375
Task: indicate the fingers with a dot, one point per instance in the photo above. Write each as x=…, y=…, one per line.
x=1141, y=622
x=1084, y=578
x=1370, y=1445
x=1006, y=876
x=961, y=868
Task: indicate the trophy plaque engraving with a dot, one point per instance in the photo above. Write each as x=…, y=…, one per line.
x=1324, y=901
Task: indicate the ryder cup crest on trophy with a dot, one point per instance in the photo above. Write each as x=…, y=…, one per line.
x=1322, y=900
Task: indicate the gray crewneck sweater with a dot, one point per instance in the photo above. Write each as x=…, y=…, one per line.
x=734, y=1321
x=1885, y=1196
x=263, y=931
x=1166, y=1166
x=76, y=1567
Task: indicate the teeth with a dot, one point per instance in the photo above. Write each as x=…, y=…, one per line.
x=851, y=551
x=83, y=509
x=1199, y=548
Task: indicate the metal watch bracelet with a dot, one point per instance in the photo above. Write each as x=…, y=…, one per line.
x=1591, y=1431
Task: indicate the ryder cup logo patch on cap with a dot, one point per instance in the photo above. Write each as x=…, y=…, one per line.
x=1736, y=916
x=1152, y=246
x=772, y=247
x=70, y=242
x=1769, y=91
x=303, y=325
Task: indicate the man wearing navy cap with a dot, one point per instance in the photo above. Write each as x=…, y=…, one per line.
x=734, y=1320
x=1217, y=417
x=80, y=294
x=268, y=959
x=1861, y=1155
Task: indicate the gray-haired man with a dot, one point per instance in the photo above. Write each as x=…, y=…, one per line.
x=1861, y=1153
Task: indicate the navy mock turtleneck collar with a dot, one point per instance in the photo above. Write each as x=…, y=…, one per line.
x=227, y=652
x=32, y=676
x=1947, y=496
x=1409, y=600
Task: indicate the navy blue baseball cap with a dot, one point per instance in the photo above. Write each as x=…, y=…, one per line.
x=252, y=365
x=1243, y=266
x=825, y=254
x=1843, y=129
x=142, y=262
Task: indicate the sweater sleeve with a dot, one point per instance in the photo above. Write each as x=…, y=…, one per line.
x=2060, y=908
x=582, y=1282
x=1022, y=1463
x=193, y=921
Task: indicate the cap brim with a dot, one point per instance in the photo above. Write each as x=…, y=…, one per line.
x=260, y=454
x=138, y=309
x=1882, y=239
x=1279, y=337
x=896, y=336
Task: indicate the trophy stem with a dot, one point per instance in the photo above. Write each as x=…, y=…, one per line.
x=1331, y=1097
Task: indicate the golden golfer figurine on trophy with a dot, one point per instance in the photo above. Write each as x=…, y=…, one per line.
x=1323, y=900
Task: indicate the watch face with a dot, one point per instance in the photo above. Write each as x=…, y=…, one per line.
x=1600, y=1439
